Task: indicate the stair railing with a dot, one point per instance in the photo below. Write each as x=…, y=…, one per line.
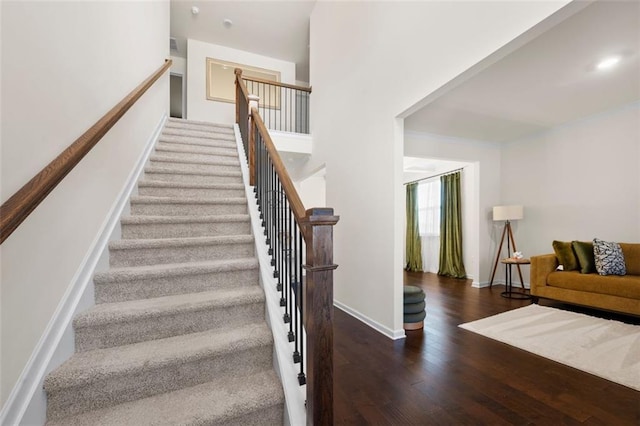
x=300, y=243
x=20, y=205
x=283, y=107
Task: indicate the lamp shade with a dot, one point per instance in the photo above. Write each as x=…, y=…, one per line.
x=508, y=213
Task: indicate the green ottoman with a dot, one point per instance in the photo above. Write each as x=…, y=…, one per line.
x=413, y=311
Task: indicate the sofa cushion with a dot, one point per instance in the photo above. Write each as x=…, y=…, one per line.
x=631, y=257
x=584, y=253
x=615, y=285
x=609, y=258
x=566, y=256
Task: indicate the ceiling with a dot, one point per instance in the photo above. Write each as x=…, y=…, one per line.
x=549, y=81
x=278, y=29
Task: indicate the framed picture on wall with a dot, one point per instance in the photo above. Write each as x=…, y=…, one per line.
x=221, y=82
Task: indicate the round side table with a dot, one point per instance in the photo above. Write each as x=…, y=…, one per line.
x=509, y=293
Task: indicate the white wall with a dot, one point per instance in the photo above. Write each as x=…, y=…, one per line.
x=67, y=64
x=312, y=191
x=577, y=181
x=370, y=61
x=198, y=107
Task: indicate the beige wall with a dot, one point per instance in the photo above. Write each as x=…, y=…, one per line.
x=198, y=107
x=65, y=64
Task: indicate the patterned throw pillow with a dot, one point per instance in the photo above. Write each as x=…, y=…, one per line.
x=609, y=258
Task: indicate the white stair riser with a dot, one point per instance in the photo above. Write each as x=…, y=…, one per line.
x=169, y=286
x=169, y=209
x=147, y=382
x=170, y=324
x=194, y=253
x=192, y=178
x=181, y=230
x=156, y=191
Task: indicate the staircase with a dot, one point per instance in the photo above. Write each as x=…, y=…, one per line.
x=178, y=333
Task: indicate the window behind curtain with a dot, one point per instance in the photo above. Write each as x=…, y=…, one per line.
x=429, y=223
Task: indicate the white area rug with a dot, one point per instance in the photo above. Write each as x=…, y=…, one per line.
x=605, y=348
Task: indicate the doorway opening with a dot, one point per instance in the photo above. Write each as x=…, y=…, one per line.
x=176, y=106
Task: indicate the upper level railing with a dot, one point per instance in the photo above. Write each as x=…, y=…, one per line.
x=300, y=243
x=283, y=107
x=17, y=208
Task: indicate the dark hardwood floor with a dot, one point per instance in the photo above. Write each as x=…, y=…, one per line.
x=445, y=375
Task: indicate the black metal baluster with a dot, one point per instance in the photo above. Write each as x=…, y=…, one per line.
x=301, y=376
x=296, y=291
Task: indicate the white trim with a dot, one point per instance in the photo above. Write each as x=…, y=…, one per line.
x=295, y=395
x=51, y=349
x=485, y=284
x=392, y=334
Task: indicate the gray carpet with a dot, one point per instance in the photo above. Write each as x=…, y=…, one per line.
x=178, y=333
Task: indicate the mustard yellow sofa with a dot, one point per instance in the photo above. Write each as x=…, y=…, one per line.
x=610, y=292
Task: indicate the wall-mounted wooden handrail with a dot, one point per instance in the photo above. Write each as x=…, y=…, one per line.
x=17, y=208
x=290, y=190
x=277, y=83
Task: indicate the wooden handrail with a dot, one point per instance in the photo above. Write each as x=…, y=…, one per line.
x=289, y=189
x=17, y=208
x=277, y=83
x=238, y=73
x=316, y=228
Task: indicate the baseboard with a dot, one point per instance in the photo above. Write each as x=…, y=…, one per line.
x=295, y=395
x=485, y=284
x=27, y=401
x=392, y=334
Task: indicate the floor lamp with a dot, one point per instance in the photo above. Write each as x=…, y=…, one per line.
x=507, y=214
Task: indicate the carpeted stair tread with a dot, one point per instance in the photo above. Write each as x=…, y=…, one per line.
x=149, y=199
x=183, y=226
x=194, y=150
x=186, y=206
x=185, y=170
x=218, y=141
x=153, y=251
x=92, y=366
x=188, y=185
x=254, y=400
x=107, y=313
x=144, y=220
x=186, y=189
x=138, y=244
x=173, y=270
x=206, y=134
x=182, y=123
x=223, y=161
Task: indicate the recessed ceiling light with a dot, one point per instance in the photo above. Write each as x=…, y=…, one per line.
x=227, y=23
x=195, y=10
x=608, y=62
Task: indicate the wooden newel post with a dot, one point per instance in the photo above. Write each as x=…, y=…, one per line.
x=253, y=103
x=318, y=319
x=238, y=73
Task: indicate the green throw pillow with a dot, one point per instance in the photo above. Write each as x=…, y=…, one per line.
x=584, y=253
x=566, y=256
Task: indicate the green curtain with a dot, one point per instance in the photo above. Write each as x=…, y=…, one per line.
x=414, y=251
x=451, y=263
